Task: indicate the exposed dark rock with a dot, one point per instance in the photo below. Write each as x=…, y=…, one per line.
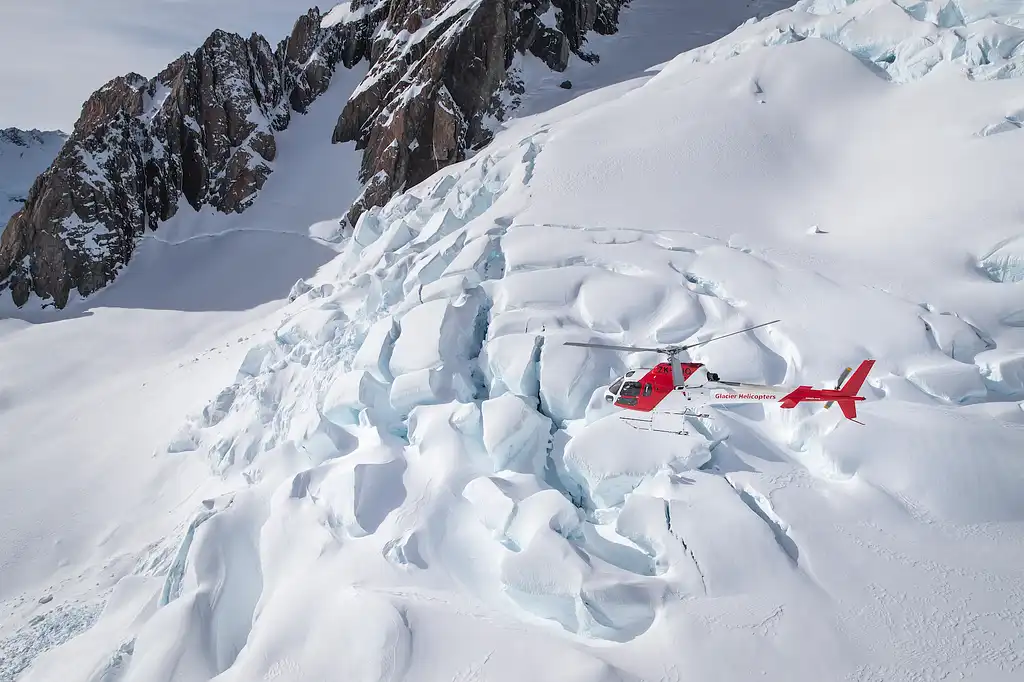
x=203, y=129
x=552, y=47
x=565, y=85
x=436, y=70
x=528, y=27
x=576, y=18
x=607, y=21
x=424, y=98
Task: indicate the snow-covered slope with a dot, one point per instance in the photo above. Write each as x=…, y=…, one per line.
x=24, y=154
x=649, y=33
x=413, y=480
x=89, y=394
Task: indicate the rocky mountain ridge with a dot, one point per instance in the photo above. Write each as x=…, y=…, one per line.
x=204, y=128
x=438, y=70
x=25, y=139
x=23, y=155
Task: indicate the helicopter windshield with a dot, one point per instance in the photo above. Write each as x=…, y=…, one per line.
x=614, y=388
x=630, y=389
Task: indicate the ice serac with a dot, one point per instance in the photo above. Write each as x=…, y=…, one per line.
x=1005, y=262
x=437, y=72
x=516, y=436
x=609, y=458
x=203, y=130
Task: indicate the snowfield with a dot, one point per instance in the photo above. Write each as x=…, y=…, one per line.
x=401, y=474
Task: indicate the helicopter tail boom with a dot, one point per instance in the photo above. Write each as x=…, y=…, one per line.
x=846, y=395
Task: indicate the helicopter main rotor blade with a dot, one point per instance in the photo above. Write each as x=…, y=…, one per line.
x=631, y=349
x=666, y=350
x=716, y=338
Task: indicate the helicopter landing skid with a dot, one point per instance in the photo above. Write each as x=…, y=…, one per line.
x=687, y=412
x=642, y=424
x=648, y=425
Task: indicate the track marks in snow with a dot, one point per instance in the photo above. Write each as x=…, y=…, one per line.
x=940, y=634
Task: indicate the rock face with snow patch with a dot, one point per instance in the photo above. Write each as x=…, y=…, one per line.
x=24, y=154
x=202, y=130
x=438, y=69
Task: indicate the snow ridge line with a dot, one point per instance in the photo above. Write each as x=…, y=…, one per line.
x=920, y=37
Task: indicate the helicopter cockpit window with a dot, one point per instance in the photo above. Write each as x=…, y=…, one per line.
x=614, y=388
x=647, y=389
x=630, y=389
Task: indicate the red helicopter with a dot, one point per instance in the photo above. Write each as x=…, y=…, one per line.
x=684, y=388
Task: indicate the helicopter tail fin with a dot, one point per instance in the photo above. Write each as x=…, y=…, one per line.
x=851, y=388
x=846, y=394
x=856, y=381
x=849, y=408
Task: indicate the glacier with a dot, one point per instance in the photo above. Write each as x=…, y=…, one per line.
x=396, y=471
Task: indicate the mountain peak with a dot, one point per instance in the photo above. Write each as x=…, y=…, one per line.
x=205, y=128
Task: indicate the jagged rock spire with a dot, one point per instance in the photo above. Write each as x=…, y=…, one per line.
x=204, y=128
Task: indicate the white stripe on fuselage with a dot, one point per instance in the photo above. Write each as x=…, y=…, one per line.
x=721, y=394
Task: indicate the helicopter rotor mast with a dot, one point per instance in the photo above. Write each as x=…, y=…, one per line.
x=671, y=351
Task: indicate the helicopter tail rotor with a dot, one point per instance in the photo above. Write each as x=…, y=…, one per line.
x=839, y=384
